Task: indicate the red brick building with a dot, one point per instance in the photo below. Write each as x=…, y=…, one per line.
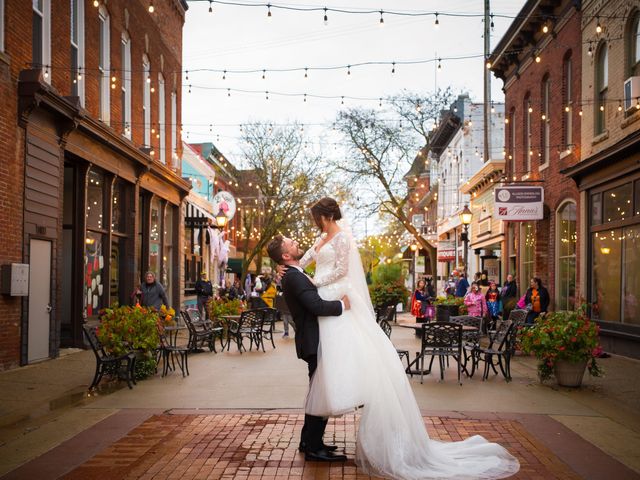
x=539, y=61
x=89, y=170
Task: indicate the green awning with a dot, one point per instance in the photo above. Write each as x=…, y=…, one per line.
x=235, y=265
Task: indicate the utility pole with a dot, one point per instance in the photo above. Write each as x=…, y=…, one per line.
x=487, y=83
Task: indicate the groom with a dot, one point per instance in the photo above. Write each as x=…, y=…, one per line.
x=302, y=298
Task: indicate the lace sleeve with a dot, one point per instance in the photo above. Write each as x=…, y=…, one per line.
x=341, y=246
x=309, y=256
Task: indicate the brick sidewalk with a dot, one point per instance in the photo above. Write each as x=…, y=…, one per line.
x=264, y=446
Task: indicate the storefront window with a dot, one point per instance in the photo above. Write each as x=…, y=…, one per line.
x=607, y=262
x=114, y=271
x=528, y=242
x=94, y=272
x=596, y=209
x=566, y=271
x=118, y=207
x=167, y=253
x=618, y=203
x=637, y=195
x=95, y=199
x=154, y=237
x=631, y=279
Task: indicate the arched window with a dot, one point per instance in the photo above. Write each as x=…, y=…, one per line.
x=125, y=97
x=567, y=101
x=104, y=65
x=512, y=142
x=146, y=100
x=633, y=44
x=566, y=236
x=602, y=86
x=526, y=131
x=545, y=131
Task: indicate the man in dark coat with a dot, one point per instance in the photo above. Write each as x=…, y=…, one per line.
x=306, y=306
x=204, y=292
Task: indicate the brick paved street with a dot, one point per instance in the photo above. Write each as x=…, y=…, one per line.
x=264, y=446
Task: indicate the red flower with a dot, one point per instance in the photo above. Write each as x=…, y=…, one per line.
x=574, y=339
x=561, y=348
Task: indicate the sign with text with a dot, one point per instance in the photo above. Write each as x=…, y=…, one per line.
x=446, y=251
x=519, y=203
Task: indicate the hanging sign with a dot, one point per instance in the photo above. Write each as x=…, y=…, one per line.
x=519, y=203
x=420, y=264
x=224, y=201
x=446, y=251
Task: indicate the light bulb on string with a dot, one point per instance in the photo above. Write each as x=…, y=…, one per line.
x=326, y=18
x=439, y=64
x=187, y=76
x=393, y=67
x=224, y=75
x=342, y=100
x=598, y=26
x=348, y=69
x=492, y=25
x=264, y=74
x=96, y=3
x=266, y=93
x=210, y=6
x=545, y=28
x=228, y=92
x=381, y=18
x=436, y=23
x=268, y=10
x=151, y=7
x=619, y=106
x=46, y=71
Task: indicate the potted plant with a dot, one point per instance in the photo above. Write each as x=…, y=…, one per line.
x=449, y=306
x=385, y=294
x=123, y=329
x=218, y=307
x=565, y=343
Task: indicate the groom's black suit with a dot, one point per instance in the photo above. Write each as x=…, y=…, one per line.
x=306, y=306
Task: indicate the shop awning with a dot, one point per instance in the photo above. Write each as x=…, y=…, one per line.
x=494, y=242
x=196, y=216
x=235, y=265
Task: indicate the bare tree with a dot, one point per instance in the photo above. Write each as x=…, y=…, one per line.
x=381, y=151
x=280, y=176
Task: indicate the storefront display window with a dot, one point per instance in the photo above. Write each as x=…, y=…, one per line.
x=528, y=242
x=596, y=209
x=566, y=271
x=618, y=203
x=631, y=279
x=606, y=288
x=167, y=254
x=154, y=237
x=94, y=262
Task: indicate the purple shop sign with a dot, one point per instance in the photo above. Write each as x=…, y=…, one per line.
x=519, y=204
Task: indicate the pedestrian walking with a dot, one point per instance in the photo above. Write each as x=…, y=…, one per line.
x=151, y=293
x=536, y=300
x=509, y=296
x=493, y=304
x=204, y=292
x=419, y=301
x=475, y=302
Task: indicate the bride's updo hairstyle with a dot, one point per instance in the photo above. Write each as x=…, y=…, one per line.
x=325, y=207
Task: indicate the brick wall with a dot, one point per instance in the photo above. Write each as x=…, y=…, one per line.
x=615, y=17
x=525, y=83
x=161, y=31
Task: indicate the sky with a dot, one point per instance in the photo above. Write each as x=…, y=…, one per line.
x=235, y=37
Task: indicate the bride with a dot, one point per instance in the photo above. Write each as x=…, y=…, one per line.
x=358, y=365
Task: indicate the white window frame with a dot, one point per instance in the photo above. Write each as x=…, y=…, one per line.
x=162, y=128
x=602, y=88
x=146, y=100
x=513, y=139
x=79, y=45
x=567, y=108
x=527, y=135
x=1, y=25
x=46, y=37
x=104, y=65
x=546, y=123
x=125, y=47
x=560, y=208
x=174, y=129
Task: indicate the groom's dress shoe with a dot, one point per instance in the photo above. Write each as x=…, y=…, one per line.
x=324, y=456
x=330, y=448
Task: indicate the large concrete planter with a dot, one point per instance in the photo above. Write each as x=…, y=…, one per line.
x=569, y=374
x=444, y=312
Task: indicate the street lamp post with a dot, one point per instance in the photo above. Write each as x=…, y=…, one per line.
x=465, y=219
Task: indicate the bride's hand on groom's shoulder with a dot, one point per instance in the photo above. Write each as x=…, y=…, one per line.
x=280, y=269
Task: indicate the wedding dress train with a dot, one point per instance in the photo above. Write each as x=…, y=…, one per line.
x=358, y=365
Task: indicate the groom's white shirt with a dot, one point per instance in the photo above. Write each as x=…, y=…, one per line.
x=299, y=268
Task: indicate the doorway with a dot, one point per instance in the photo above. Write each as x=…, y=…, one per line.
x=39, y=300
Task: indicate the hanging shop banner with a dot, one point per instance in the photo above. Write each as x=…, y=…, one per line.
x=420, y=264
x=446, y=251
x=224, y=201
x=518, y=203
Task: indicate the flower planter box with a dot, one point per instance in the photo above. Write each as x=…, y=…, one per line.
x=444, y=312
x=569, y=374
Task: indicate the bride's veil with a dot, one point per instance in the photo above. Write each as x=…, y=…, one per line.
x=355, y=275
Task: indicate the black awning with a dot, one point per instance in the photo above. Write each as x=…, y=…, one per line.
x=196, y=216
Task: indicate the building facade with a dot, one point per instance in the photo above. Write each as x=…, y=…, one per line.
x=91, y=162
x=539, y=61
x=608, y=174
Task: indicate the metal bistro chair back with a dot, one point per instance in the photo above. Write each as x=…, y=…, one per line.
x=169, y=352
x=518, y=316
x=198, y=333
x=500, y=351
x=270, y=315
x=107, y=363
x=386, y=328
x=442, y=340
x=248, y=326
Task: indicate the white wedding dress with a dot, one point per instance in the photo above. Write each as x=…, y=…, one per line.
x=358, y=365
